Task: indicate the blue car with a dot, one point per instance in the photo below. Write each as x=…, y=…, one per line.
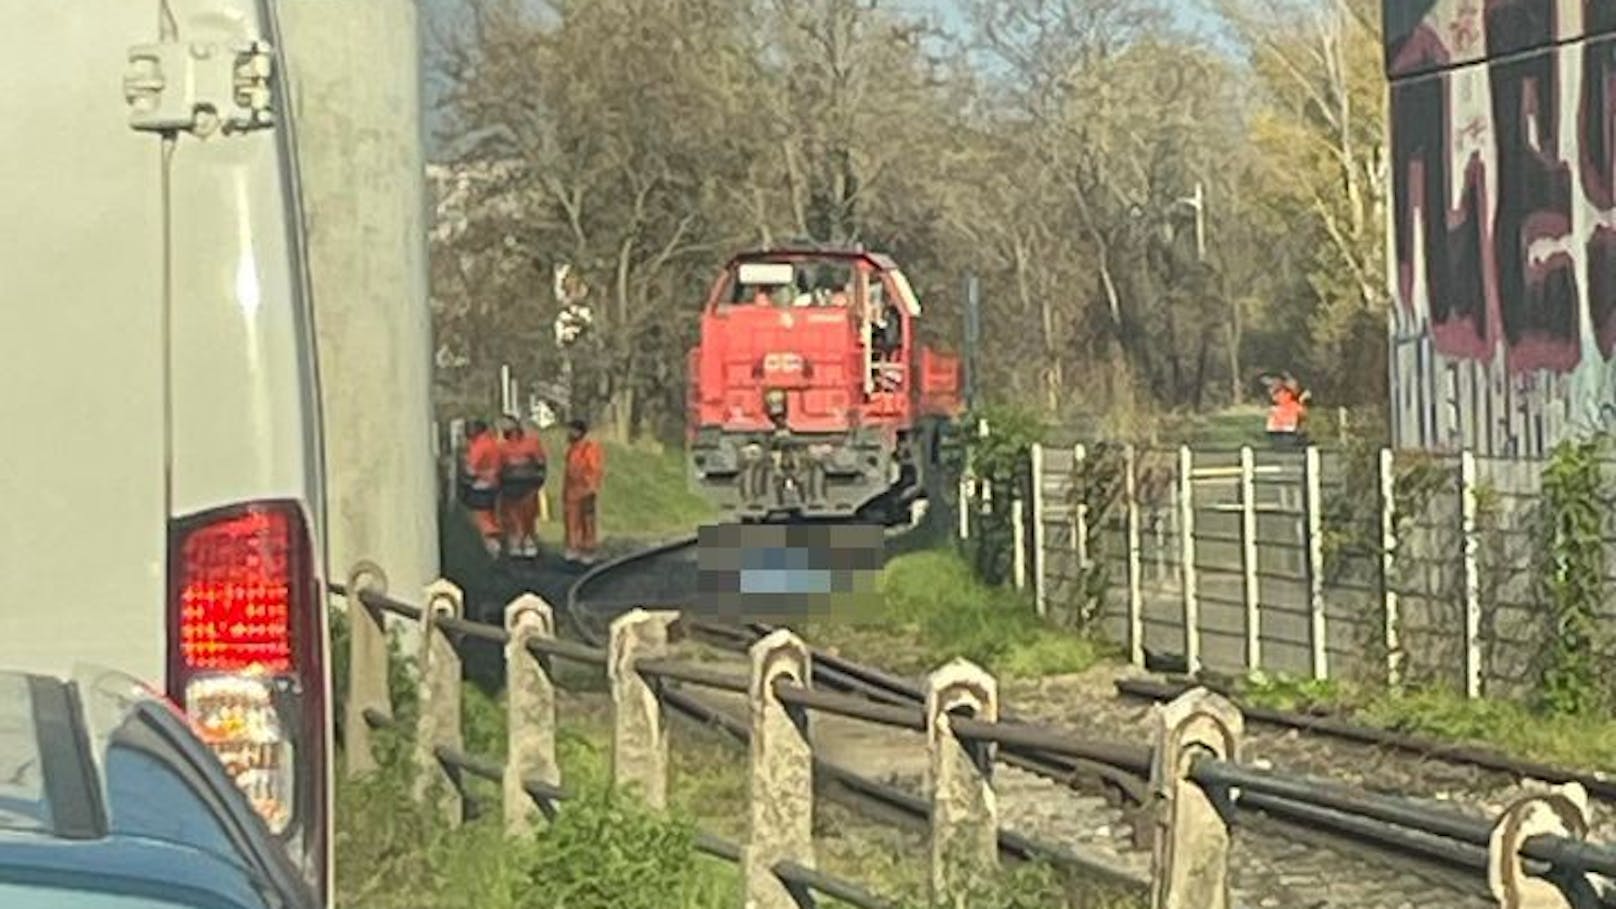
x=109, y=800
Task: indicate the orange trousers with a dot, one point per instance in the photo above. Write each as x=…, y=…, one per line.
x=519, y=514
x=487, y=522
x=581, y=528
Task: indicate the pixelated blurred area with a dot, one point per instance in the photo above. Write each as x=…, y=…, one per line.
x=789, y=572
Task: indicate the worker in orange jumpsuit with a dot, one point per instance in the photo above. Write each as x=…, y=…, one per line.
x=481, y=491
x=580, y=490
x=521, y=477
x=1287, y=409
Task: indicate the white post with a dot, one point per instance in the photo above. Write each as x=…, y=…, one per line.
x=1136, y=598
x=1472, y=574
x=1314, y=507
x=1186, y=557
x=1080, y=509
x=1018, y=541
x=1248, y=557
x=1040, y=603
x=505, y=403
x=1388, y=568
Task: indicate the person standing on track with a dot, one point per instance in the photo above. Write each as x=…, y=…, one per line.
x=521, y=478
x=480, y=492
x=586, y=468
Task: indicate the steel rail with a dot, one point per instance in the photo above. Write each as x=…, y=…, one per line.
x=916, y=809
x=1600, y=785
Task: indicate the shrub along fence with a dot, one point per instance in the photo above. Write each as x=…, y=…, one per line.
x=1485, y=575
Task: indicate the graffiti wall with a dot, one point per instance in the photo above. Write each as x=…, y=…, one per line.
x=1503, y=271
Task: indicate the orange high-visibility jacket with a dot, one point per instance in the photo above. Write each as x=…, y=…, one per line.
x=586, y=468
x=483, y=460
x=1286, y=412
x=526, y=448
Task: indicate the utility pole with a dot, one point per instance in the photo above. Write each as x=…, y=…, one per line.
x=1198, y=202
x=354, y=69
x=973, y=334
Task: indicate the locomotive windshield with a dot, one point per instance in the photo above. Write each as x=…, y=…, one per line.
x=794, y=283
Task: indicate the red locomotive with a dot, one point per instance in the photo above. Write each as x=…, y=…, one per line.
x=810, y=395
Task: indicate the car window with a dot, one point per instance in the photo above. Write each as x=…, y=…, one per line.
x=26, y=896
x=23, y=805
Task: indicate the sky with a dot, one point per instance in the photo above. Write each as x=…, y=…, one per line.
x=442, y=14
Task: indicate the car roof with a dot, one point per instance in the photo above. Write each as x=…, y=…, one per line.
x=125, y=865
x=98, y=773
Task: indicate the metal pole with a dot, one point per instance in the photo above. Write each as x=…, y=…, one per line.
x=1039, y=592
x=1388, y=569
x=1136, y=599
x=1472, y=574
x=1186, y=556
x=1248, y=557
x=1200, y=222
x=1314, y=507
x=973, y=332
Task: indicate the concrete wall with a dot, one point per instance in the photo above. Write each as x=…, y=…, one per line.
x=1502, y=262
x=356, y=85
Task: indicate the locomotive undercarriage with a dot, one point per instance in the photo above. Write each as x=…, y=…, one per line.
x=783, y=475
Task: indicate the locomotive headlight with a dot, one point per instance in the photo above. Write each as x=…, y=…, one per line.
x=774, y=402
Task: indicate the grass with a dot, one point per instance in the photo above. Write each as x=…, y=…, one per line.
x=646, y=494
x=1511, y=728
x=932, y=609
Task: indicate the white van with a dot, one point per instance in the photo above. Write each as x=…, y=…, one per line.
x=162, y=478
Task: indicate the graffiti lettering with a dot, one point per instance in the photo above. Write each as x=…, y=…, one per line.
x=1536, y=272
x=1503, y=152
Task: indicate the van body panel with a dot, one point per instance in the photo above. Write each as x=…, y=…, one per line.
x=82, y=543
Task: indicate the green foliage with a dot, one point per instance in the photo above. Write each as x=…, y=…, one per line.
x=1000, y=461
x=604, y=851
x=1011, y=431
x=1514, y=729
x=1571, y=576
x=1287, y=692
x=1100, y=488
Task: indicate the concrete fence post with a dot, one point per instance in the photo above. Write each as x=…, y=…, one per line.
x=367, y=668
x=1468, y=509
x=439, y=725
x=781, y=791
x=1080, y=508
x=1040, y=600
x=1248, y=557
x=1390, y=606
x=1561, y=811
x=1190, y=855
x=1136, y=571
x=530, y=705
x=639, y=729
x=1186, y=559
x=1018, y=542
x=1313, y=507
x=964, y=813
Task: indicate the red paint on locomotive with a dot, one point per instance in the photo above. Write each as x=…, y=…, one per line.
x=810, y=393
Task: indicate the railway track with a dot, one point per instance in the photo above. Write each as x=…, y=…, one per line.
x=1288, y=853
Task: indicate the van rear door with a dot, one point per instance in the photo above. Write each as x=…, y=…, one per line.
x=82, y=540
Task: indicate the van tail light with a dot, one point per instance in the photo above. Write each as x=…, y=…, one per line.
x=246, y=661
